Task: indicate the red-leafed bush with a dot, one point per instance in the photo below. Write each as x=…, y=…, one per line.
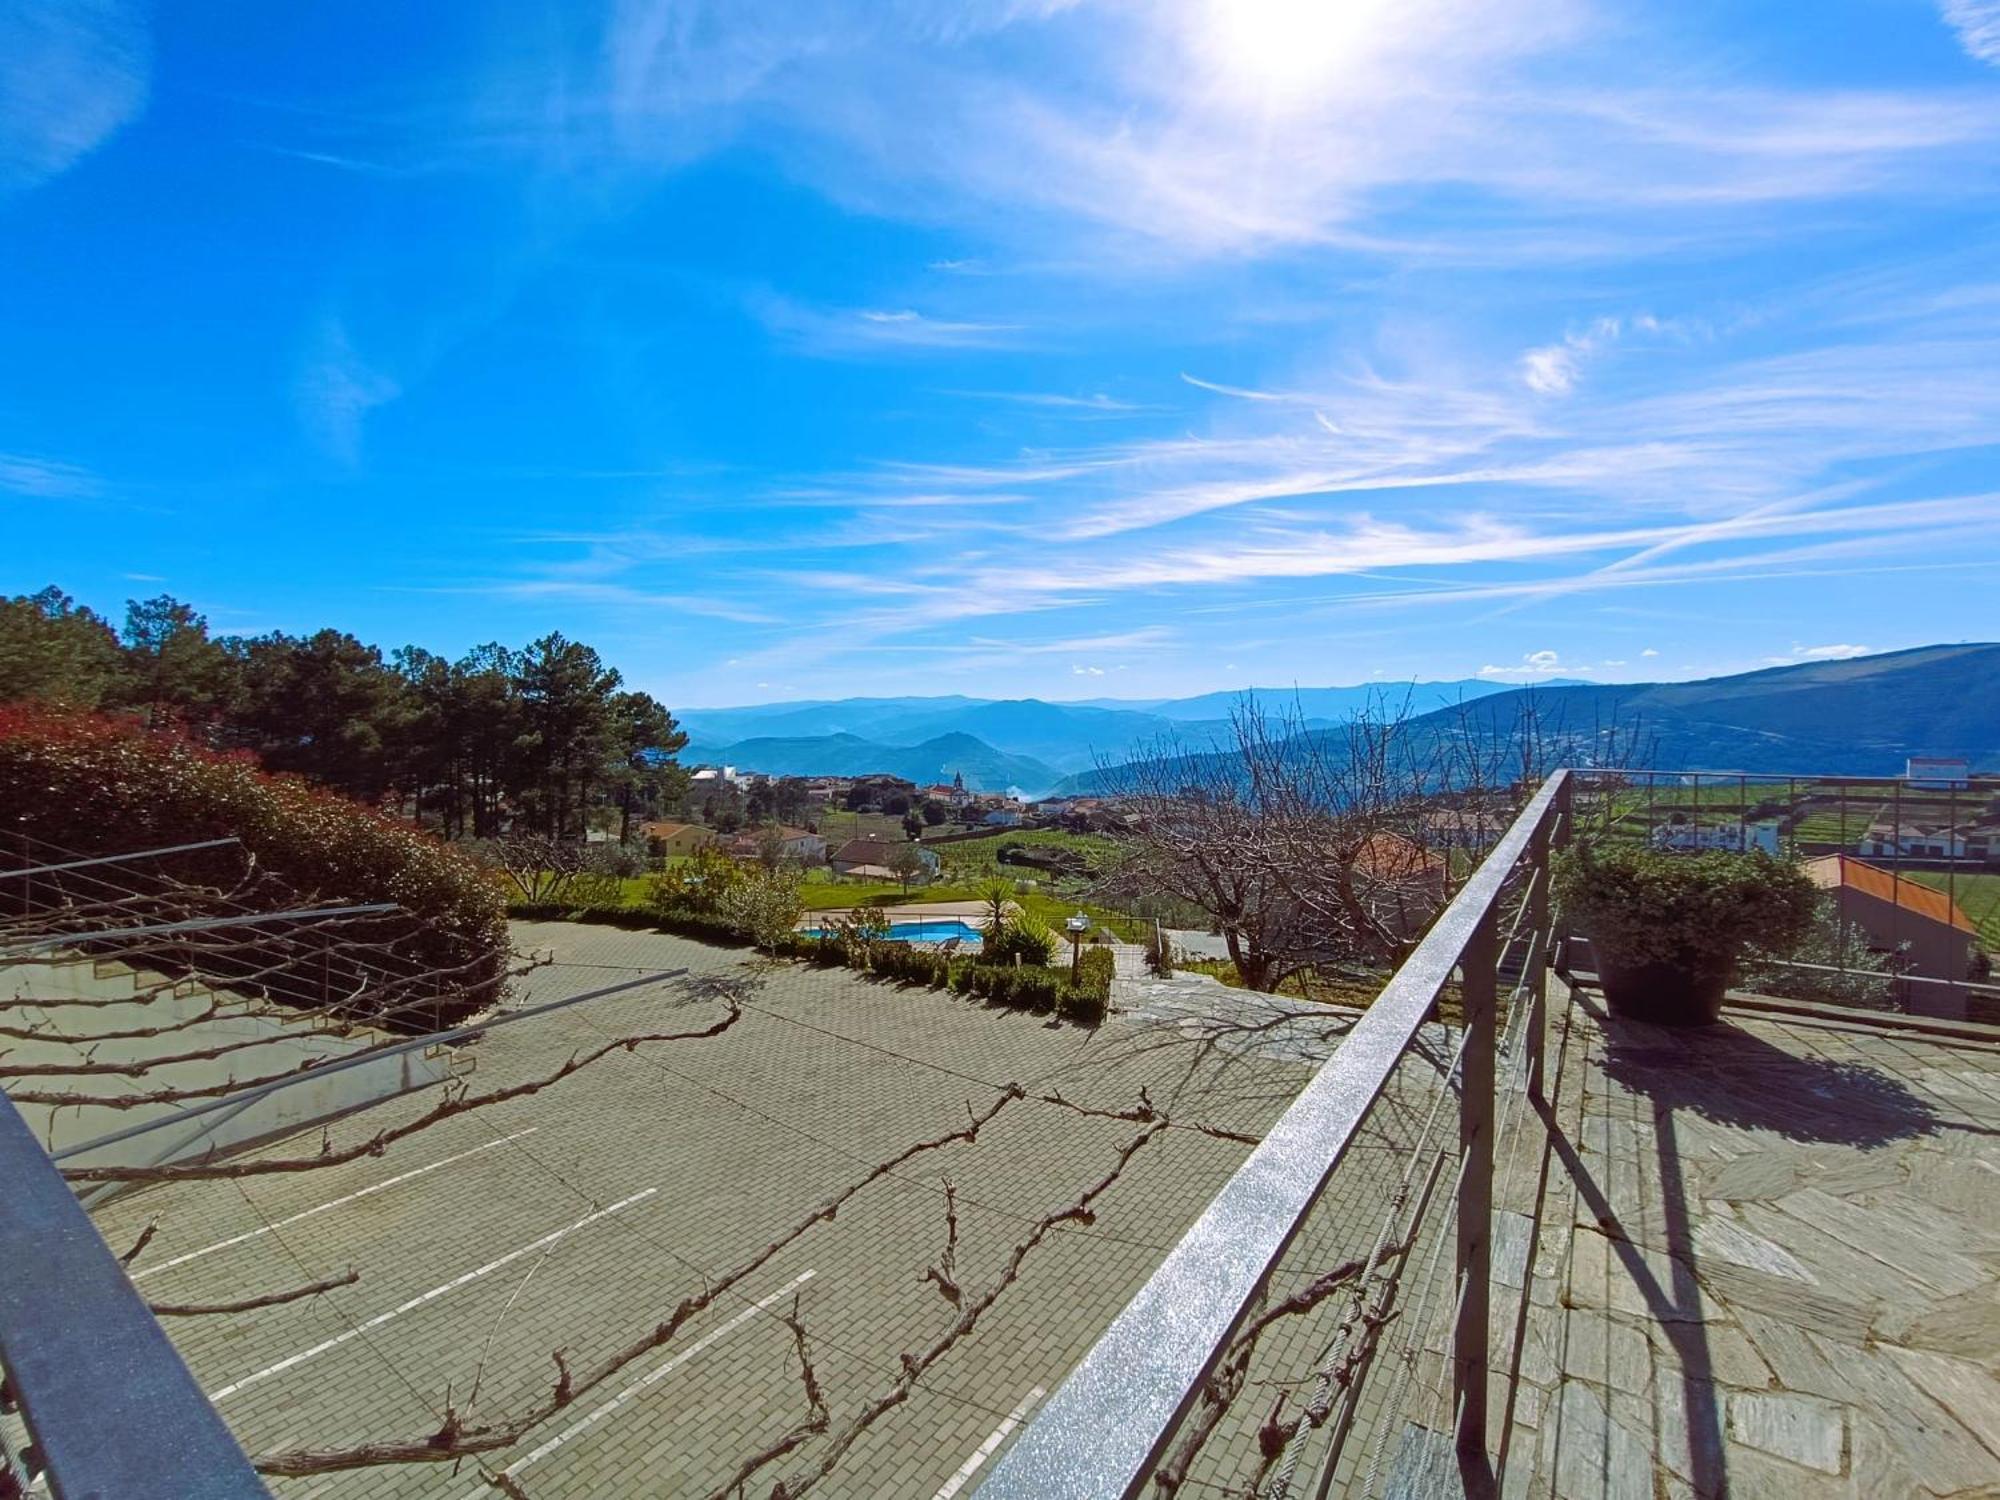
x=99, y=785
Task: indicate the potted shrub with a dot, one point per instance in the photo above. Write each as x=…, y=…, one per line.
x=1668, y=929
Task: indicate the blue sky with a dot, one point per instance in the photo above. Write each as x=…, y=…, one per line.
x=1010, y=348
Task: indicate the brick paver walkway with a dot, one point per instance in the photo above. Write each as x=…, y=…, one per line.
x=576, y=1218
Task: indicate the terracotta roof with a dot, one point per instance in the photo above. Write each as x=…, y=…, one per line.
x=1391, y=856
x=1844, y=870
x=668, y=830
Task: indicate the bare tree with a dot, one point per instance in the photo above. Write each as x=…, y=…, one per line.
x=1330, y=847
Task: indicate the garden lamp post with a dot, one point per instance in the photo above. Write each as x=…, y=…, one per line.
x=1076, y=927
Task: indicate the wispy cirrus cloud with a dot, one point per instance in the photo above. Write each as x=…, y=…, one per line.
x=1977, y=23
x=336, y=391
x=1097, y=404
x=46, y=478
x=72, y=72
x=839, y=332
x=619, y=596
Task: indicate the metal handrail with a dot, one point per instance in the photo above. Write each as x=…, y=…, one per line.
x=115, y=859
x=110, y=1406
x=1106, y=1426
x=1972, y=778
x=193, y=924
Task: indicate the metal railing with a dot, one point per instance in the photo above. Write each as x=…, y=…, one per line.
x=109, y=1406
x=1106, y=1428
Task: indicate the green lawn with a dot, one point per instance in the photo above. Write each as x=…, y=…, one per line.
x=1978, y=896
x=837, y=825
x=979, y=858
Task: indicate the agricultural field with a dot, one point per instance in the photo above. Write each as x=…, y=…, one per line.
x=1977, y=894
x=837, y=825
x=980, y=858
x=1807, y=812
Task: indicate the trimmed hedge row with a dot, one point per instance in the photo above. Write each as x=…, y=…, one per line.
x=1028, y=987
x=101, y=785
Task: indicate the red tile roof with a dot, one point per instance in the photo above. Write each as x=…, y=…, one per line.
x=1884, y=885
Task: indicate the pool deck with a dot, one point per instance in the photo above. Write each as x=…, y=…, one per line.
x=966, y=911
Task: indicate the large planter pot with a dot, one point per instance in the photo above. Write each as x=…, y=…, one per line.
x=1664, y=994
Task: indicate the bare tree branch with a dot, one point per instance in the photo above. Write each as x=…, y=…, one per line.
x=1079, y=1211
x=454, y=1103
x=456, y=1439
x=1222, y=1388
x=816, y=1421
x=247, y=1304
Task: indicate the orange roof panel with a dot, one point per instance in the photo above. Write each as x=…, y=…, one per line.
x=1885, y=885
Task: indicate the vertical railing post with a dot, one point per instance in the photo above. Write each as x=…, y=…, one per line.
x=1478, y=986
x=1551, y=835
x=1541, y=941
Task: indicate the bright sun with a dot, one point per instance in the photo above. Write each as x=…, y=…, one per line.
x=1282, y=51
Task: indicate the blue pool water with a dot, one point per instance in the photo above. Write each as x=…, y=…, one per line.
x=934, y=930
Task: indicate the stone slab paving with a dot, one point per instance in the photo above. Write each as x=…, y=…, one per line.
x=1761, y=1259
x=576, y=1218
x=1774, y=1251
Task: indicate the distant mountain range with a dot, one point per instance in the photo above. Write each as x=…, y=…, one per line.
x=1860, y=717
x=1025, y=744
x=930, y=761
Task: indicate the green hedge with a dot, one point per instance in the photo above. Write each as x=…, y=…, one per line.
x=1087, y=999
x=705, y=927
x=100, y=785
x=1028, y=987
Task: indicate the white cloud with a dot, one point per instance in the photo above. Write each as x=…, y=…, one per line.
x=1829, y=653
x=71, y=73
x=1189, y=129
x=1554, y=369
x=1649, y=651
x=1080, y=671
x=847, y=331
x=1093, y=404
x=1550, y=370
x=1977, y=23
x=338, y=389
x=1533, y=664
x=45, y=478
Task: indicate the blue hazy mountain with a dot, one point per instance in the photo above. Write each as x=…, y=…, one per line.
x=1859, y=717
x=1066, y=737
x=938, y=759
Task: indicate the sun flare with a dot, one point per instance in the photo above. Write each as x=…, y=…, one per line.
x=1284, y=51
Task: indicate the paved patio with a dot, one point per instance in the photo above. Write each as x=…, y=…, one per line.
x=1768, y=1263
x=1754, y=1260
x=1760, y=1259
x=576, y=1218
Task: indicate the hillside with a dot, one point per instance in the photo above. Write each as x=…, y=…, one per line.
x=1860, y=717
x=1335, y=704
x=984, y=768
x=1069, y=737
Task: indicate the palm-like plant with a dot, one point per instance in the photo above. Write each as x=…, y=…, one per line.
x=995, y=896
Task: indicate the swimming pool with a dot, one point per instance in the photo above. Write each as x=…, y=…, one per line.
x=928, y=930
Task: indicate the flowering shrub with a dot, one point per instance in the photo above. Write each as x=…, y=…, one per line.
x=101, y=785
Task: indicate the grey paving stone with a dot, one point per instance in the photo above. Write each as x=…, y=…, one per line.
x=1803, y=1429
